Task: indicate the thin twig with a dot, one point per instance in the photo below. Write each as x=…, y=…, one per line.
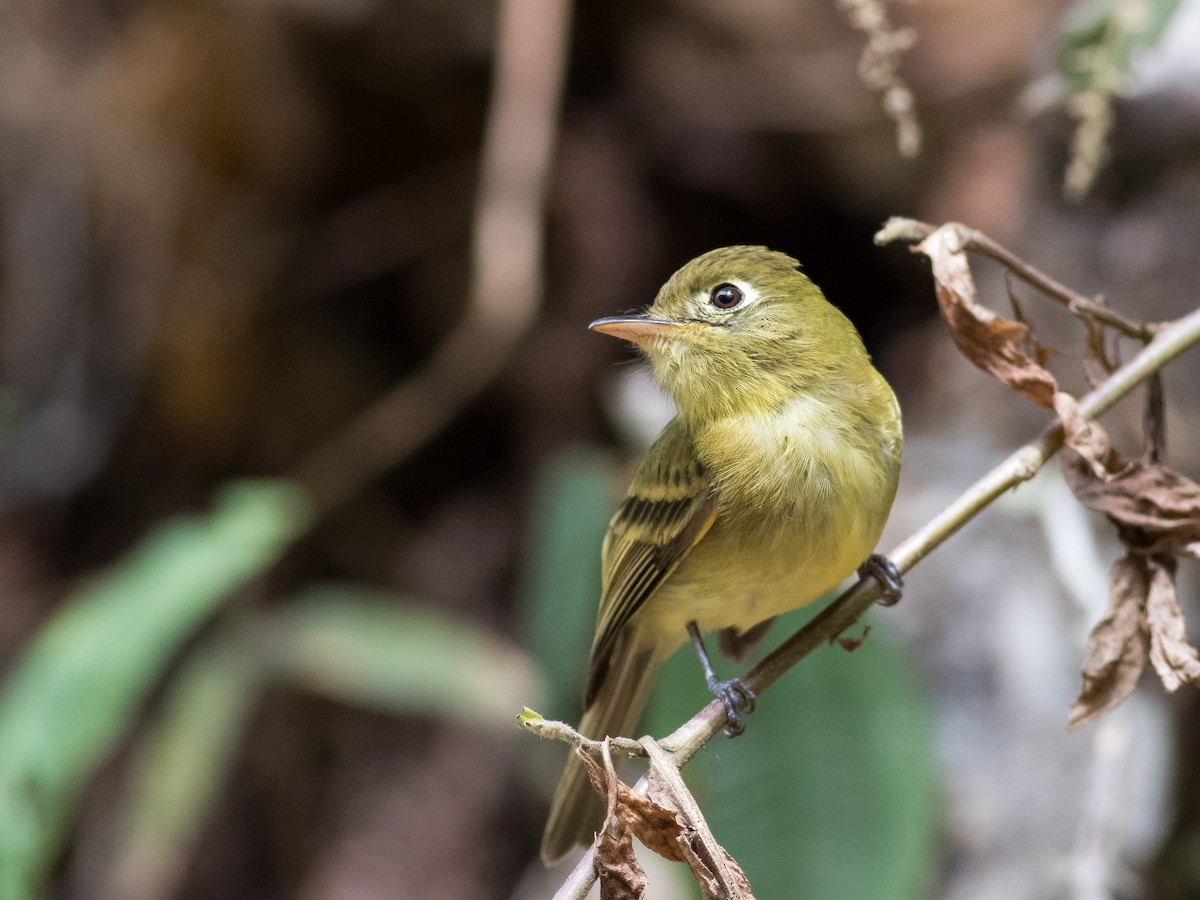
x=579, y=883
x=506, y=272
x=842, y=613
x=980, y=243
x=561, y=731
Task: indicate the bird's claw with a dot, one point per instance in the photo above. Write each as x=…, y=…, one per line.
x=884, y=571
x=735, y=697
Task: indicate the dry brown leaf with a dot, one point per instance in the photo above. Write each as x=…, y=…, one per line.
x=1086, y=439
x=1157, y=514
x=620, y=875
x=719, y=876
x=993, y=343
x=1039, y=353
x=617, y=870
x=668, y=821
x=713, y=884
x=1117, y=646
x=1156, y=509
x=655, y=826
x=1174, y=659
x=604, y=783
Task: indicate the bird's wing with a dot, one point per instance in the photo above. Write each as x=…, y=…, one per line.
x=669, y=508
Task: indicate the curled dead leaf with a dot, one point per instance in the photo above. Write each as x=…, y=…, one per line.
x=1157, y=514
x=1156, y=509
x=1000, y=346
x=1143, y=620
x=668, y=821
x=719, y=876
x=1086, y=439
x=1117, y=646
x=620, y=875
x=656, y=826
x=617, y=870
x=1174, y=659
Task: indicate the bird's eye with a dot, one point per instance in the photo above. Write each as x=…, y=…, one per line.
x=725, y=296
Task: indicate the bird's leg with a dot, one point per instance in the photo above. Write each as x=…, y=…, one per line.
x=733, y=694
x=885, y=572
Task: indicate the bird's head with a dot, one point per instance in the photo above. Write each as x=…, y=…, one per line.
x=740, y=330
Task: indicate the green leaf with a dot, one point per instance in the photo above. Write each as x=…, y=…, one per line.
x=74, y=692
x=181, y=767
x=364, y=647
x=831, y=790
x=573, y=501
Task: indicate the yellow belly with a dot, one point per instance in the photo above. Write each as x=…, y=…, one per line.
x=734, y=579
x=802, y=504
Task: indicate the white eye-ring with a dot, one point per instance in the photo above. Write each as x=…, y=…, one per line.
x=729, y=295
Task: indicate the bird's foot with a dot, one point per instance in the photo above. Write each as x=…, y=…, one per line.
x=737, y=698
x=887, y=574
x=734, y=695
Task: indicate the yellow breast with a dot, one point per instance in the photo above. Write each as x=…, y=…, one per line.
x=803, y=496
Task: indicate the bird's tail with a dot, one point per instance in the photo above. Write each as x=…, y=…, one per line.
x=577, y=812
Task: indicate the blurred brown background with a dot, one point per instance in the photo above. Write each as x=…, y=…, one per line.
x=357, y=243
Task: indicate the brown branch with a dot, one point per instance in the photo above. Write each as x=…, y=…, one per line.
x=506, y=269
x=978, y=242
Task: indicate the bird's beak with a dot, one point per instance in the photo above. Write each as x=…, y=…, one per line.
x=636, y=329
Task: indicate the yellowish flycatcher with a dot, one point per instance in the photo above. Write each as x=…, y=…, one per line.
x=769, y=487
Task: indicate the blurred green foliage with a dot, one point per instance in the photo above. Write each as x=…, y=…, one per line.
x=573, y=499
x=77, y=688
x=348, y=642
x=181, y=765
x=359, y=646
x=83, y=681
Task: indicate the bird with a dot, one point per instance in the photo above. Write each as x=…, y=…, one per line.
x=769, y=487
